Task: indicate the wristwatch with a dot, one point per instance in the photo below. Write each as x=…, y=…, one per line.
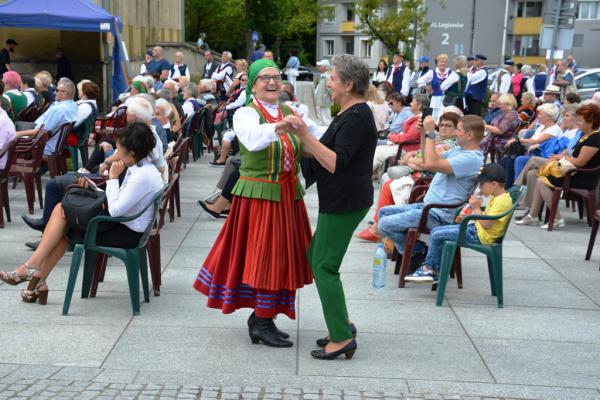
x=430, y=135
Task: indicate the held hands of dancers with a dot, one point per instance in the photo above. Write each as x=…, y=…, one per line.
x=292, y=123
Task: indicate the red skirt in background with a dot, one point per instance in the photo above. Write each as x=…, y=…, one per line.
x=259, y=258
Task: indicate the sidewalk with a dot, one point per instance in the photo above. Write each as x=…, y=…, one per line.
x=545, y=343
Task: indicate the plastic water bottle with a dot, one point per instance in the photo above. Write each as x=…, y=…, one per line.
x=379, y=276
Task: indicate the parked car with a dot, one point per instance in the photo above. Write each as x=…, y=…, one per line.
x=588, y=82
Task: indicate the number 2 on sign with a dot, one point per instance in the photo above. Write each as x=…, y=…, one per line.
x=445, y=38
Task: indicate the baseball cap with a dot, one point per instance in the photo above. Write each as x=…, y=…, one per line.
x=492, y=173
x=423, y=59
x=324, y=63
x=12, y=41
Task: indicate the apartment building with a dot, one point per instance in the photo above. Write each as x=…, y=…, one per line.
x=498, y=28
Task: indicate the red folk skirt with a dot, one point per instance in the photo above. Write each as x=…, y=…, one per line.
x=259, y=258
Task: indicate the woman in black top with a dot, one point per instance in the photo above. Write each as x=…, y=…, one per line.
x=586, y=155
x=341, y=164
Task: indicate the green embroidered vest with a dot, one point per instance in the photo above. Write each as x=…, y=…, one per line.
x=263, y=168
x=18, y=103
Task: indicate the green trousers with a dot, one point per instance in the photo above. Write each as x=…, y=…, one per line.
x=325, y=255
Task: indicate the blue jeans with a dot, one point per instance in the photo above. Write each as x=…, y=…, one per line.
x=439, y=235
x=395, y=220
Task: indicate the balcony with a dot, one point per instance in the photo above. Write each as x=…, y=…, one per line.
x=527, y=26
x=347, y=26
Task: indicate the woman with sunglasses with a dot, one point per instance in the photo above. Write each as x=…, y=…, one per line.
x=259, y=259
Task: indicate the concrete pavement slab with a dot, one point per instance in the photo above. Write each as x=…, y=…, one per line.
x=197, y=349
x=548, y=324
x=537, y=362
x=407, y=356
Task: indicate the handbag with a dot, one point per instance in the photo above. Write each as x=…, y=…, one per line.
x=80, y=205
x=515, y=150
x=556, y=169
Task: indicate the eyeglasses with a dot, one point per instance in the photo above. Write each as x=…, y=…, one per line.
x=267, y=78
x=447, y=126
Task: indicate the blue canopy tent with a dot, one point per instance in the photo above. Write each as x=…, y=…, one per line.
x=67, y=15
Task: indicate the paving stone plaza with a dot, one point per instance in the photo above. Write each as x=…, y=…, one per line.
x=545, y=343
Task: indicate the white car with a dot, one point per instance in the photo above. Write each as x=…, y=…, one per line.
x=588, y=82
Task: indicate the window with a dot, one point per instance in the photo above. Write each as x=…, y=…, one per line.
x=366, y=48
x=591, y=81
x=589, y=10
x=350, y=13
x=329, y=14
x=350, y=46
x=527, y=45
x=329, y=48
x=529, y=9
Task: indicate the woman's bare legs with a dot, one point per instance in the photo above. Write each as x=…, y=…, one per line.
x=52, y=246
x=541, y=195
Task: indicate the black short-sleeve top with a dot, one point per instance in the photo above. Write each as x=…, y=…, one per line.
x=584, y=181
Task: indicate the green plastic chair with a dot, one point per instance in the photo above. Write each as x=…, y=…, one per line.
x=492, y=251
x=135, y=260
x=90, y=122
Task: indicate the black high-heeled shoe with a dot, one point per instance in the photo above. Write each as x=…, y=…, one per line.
x=348, y=350
x=325, y=341
x=252, y=320
x=264, y=330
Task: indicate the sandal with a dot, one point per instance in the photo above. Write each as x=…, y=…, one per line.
x=14, y=278
x=36, y=290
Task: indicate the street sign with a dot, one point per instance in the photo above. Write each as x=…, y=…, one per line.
x=564, y=39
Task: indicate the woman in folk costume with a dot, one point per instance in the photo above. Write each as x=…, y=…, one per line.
x=259, y=258
x=440, y=79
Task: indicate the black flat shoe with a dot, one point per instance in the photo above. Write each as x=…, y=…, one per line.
x=348, y=350
x=264, y=331
x=252, y=321
x=325, y=341
x=34, y=223
x=213, y=215
x=32, y=245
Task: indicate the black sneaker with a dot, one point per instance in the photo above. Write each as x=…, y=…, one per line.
x=215, y=164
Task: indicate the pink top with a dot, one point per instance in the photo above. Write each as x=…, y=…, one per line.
x=7, y=134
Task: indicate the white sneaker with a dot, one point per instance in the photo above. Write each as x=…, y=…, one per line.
x=558, y=223
x=528, y=220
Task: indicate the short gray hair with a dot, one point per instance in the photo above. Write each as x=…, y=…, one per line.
x=165, y=105
x=140, y=107
x=69, y=86
x=209, y=83
x=192, y=90
x=147, y=97
x=422, y=100
x=550, y=110
x=164, y=94
x=352, y=69
x=227, y=53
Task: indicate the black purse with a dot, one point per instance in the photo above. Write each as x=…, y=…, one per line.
x=515, y=150
x=80, y=205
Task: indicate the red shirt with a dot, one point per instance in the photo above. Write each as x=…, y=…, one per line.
x=410, y=134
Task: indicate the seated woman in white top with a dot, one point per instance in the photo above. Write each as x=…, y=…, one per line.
x=142, y=182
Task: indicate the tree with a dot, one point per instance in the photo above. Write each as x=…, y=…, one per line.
x=229, y=23
x=393, y=21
